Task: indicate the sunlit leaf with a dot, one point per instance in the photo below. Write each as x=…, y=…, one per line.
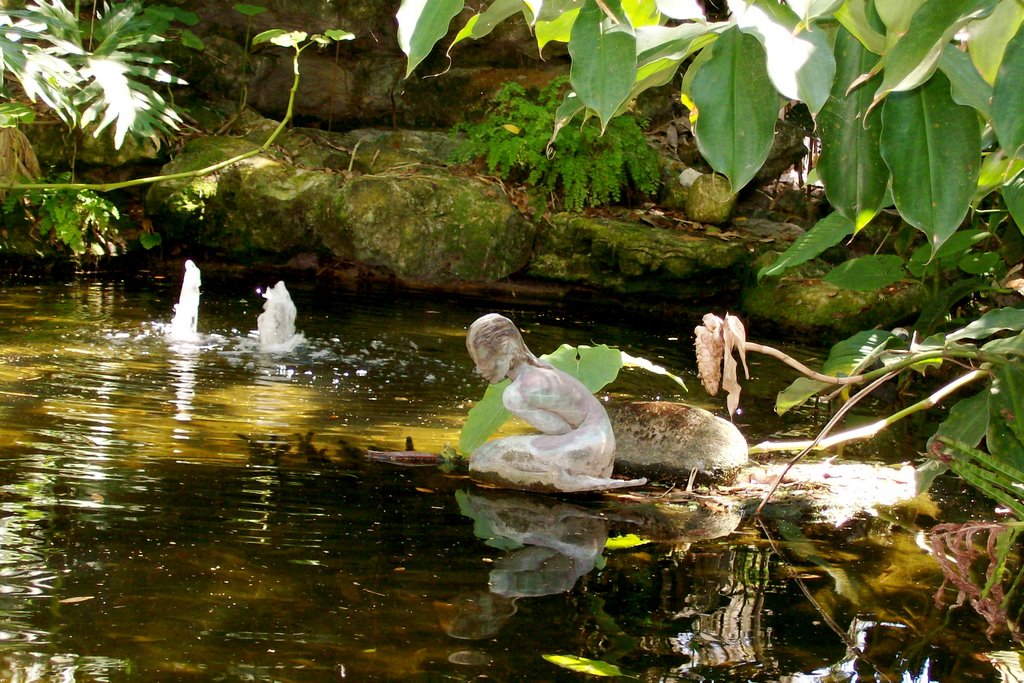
x=737, y=107
x=808, y=10
x=1013, y=195
x=932, y=146
x=799, y=59
x=557, y=30
x=594, y=667
x=967, y=420
x=594, y=366
x=856, y=16
x=484, y=418
x=192, y=41
x=603, y=61
x=644, y=364
x=826, y=233
x=989, y=36
x=625, y=542
x=991, y=322
x=421, y=23
x=915, y=57
x=482, y=23
x=681, y=9
x=851, y=165
x=799, y=390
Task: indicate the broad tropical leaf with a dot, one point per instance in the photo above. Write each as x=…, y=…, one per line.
x=993, y=321
x=1008, y=99
x=799, y=58
x=603, y=61
x=851, y=165
x=932, y=146
x=1005, y=435
x=482, y=23
x=736, y=107
x=915, y=57
x=965, y=83
x=990, y=35
x=421, y=23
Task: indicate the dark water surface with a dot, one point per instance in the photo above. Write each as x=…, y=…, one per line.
x=191, y=511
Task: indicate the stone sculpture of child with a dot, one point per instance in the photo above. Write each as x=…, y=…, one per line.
x=576, y=449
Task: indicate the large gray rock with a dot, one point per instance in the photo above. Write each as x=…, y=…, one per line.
x=666, y=441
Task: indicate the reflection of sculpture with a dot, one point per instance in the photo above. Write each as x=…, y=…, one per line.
x=551, y=543
x=577, y=448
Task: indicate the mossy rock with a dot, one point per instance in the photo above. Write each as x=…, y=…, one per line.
x=635, y=258
x=808, y=308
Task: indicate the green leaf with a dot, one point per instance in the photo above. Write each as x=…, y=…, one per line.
x=482, y=23
x=603, y=61
x=849, y=356
x=857, y=17
x=948, y=255
x=809, y=10
x=990, y=35
x=979, y=264
x=1006, y=346
x=594, y=667
x=966, y=85
x=851, y=165
x=1013, y=195
x=249, y=10
x=13, y=114
x=421, y=23
x=993, y=321
x=484, y=418
x=826, y=233
x=1008, y=98
x=191, y=40
x=933, y=149
x=799, y=58
x=801, y=389
x=625, y=542
x=644, y=364
x=867, y=273
x=736, y=108
x=967, y=420
x=914, y=58
x=148, y=240
x=338, y=35
x=1005, y=435
x=557, y=30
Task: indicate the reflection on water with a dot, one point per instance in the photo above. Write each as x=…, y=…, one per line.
x=198, y=510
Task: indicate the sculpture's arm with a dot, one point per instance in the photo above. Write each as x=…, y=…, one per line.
x=543, y=398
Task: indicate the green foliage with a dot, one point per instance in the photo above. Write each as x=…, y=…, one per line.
x=81, y=220
x=97, y=72
x=581, y=166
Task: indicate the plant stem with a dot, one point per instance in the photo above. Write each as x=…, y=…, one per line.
x=869, y=430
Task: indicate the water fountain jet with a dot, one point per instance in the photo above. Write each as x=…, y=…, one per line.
x=276, y=324
x=185, y=324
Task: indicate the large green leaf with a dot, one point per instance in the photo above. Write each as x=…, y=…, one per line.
x=826, y=233
x=661, y=49
x=965, y=83
x=809, y=10
x=932, y=146
x=484, y=418
x=558, y=29
x=858, y=17
x=990, y=35
x=603, y=61
x=799, y=58
x=993, y=321
x=736, y=107
x=421, y=23
x=1008, y=98
x=1005, y=436
x=851, y=165
x=967, y=421
x=914, y=58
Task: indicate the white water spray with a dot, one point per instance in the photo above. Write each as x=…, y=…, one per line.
x=185, y=324
x=276, y=324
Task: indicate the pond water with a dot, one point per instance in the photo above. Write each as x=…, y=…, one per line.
x=175, y=511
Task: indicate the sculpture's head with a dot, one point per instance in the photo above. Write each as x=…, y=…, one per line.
x=495, y=345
